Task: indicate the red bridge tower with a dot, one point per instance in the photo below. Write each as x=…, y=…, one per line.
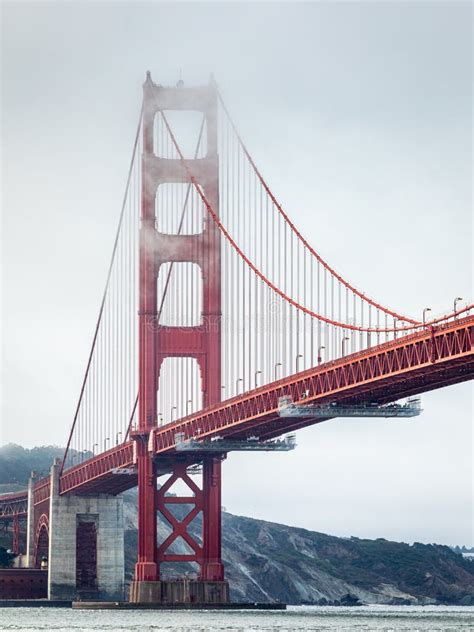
x=157, y=342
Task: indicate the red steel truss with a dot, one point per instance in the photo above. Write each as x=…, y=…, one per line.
x=13, y=505
x=409, y=365
x=205, y=501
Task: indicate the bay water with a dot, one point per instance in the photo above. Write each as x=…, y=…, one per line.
x=295, y=618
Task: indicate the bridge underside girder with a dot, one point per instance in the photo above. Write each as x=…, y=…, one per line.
x=385, y=391
x=96, y=474
x=100, y=473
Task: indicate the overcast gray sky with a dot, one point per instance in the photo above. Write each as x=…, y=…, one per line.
x=359, y=115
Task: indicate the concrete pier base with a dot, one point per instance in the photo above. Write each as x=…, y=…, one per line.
x=180, y=591
x=86, y=546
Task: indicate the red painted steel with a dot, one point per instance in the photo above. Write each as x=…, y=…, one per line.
x=205, y=501
x=212, y=569
x=195, y=505
x=385, y=372
x=157, y=342
x=146, y=567
x=98, y=474
x=16, y=535
x=13, y=505
x=406, y=366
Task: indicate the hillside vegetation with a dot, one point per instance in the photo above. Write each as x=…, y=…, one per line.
x=16, y=464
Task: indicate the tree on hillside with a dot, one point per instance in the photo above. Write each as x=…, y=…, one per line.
x=6, y=558
x=16, y=463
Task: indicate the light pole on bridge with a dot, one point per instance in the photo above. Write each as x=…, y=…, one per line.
x=300, y=355
x=343, y=346
x=456, y=301
x=425, y=311
x=320, y=348
x=256, y=377
x=275, y=369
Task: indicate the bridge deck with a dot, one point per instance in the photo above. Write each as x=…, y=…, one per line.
x=406, y=366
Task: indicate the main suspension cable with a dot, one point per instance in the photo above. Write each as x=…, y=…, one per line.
x=288, y=299
x=297, y=232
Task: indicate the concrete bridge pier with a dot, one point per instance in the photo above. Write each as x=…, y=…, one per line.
x=86, y=545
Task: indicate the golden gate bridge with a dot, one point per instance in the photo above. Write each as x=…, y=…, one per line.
x=220, y=328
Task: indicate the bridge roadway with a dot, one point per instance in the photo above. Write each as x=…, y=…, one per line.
x=423, y=361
